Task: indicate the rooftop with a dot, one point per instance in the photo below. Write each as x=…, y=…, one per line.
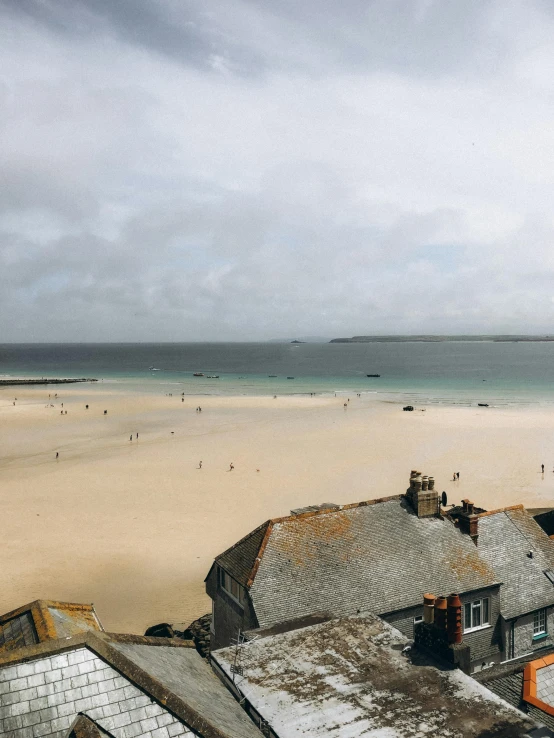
x=44, y=620
x=373, y=556
x=507, y=681
x=520, y=552
x=352, y=678
x=124, y=685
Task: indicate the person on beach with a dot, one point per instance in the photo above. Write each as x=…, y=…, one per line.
x=200, y=465
x=137, y=436
x=131, y=437
x=454, y=477
x=542, y=468
x=57, y=455
x=231, y=466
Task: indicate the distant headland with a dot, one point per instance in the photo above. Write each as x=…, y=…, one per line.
x=437, y=339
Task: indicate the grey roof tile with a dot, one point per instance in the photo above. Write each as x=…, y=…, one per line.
x=377, y=557
x=240, y=560
x=186, y=675
x=505, y=540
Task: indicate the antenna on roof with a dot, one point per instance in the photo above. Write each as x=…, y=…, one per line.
x=236, y=666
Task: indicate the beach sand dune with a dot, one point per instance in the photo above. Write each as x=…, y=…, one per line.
x=133, y=526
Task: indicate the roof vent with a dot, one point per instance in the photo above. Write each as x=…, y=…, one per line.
x=315, y=508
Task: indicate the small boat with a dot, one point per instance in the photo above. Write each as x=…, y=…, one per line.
x=482, y=404
x=213, y=376
x=153, y=369
x=198, y=374
x=272, y=375
x=290, y=377
x=373, y=375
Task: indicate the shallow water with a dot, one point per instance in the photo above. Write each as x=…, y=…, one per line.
x=446, y=372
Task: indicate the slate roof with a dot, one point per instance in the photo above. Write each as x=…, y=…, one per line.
x=349, y=678
x=240, y=560
x=84, y=727
x=376, y=556
x=127, y=685
x=506, y=680
x=44, y=620
x=505, y=539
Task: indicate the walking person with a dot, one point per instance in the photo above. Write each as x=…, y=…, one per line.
x=200, y=465
x=231, y=466
x=542, y=468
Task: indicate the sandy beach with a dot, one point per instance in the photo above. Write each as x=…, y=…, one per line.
x=133, y=526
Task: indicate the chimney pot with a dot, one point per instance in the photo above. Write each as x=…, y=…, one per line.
x=440, y=612
x=454, y=619
x=417, y=483
x=470, y=506
x=431, y=482
x=428, y=608
x=464, y=505
x=425, y=483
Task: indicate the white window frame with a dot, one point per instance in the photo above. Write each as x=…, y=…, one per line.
x=228, y=584
x=479, y=612
x=418, y=619
x=539, y=623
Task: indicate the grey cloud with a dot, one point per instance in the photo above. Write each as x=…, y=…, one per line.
x=243, y=170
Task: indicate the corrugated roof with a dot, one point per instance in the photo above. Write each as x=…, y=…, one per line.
x=505, y=539
x=376, y=556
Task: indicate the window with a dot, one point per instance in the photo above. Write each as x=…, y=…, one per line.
x=476, y=614
x=418, y=619
x=230, y=586
x=539, y=623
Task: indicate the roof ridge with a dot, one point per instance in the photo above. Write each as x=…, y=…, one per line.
x=243, y=539
x=338, y=508
x=501, y=510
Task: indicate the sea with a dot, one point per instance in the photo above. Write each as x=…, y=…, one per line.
x=445, y=372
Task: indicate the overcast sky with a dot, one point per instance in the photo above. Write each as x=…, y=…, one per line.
x=243, y=169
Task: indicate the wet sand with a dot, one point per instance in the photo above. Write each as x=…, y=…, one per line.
x=133, y=526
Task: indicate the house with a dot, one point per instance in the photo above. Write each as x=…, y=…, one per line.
x=511, y=542
x=45, y=620
x=96, y=684
x=377, y=556
x=357, y=676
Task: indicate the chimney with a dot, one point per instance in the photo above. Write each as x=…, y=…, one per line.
x=440, y=612
x=428, y=608
x=466, y=518
x=454, y=619
x=422, y=496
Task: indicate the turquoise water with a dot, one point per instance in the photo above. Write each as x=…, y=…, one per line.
x=447, y=372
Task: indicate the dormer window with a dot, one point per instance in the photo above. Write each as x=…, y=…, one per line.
x=230, y=586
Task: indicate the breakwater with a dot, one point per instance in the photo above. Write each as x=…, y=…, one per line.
x=11, y=382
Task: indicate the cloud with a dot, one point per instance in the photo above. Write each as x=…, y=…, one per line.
x=188, y=171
